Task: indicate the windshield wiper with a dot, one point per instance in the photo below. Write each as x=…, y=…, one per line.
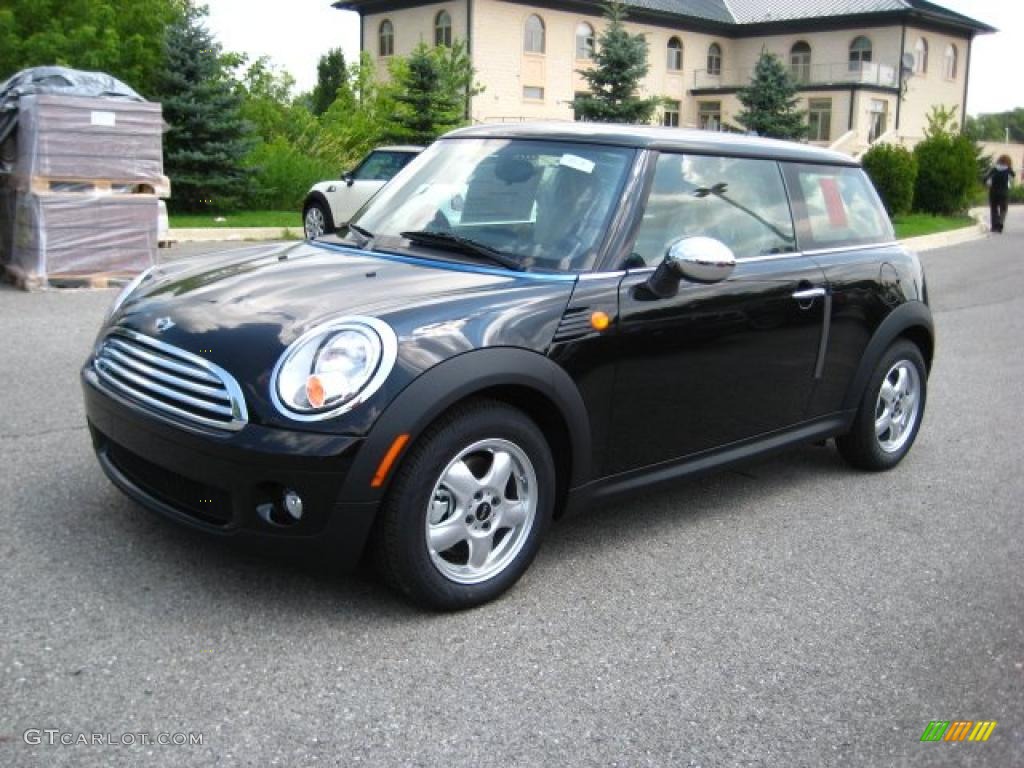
x=364, y=233
x=463, y=244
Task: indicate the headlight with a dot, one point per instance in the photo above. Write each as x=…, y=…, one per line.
x=127, y=291
x=333, y=368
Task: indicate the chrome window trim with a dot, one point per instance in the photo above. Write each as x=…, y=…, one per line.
x=845, y=248
x=388, y=358
x=793, y=255
x=235, y=409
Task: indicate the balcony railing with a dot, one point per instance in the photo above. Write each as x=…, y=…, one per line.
x=845, y=72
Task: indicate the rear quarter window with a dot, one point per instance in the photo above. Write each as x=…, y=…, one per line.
x=836, y=207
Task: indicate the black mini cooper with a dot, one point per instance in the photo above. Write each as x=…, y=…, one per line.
x=525, y=320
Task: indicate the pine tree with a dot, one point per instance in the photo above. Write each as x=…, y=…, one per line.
x=770, y=102
x=331, y=74
x=425, y=107
x=207, y=140
x=620, y=63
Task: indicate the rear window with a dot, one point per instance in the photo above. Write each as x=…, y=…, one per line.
x=836, y=207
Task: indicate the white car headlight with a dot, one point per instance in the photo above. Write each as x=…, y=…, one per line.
x=127, y=291
x=333, y=368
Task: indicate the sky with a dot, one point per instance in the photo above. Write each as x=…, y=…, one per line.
x=295, y=34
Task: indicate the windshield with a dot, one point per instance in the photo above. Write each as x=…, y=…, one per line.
x=539, y=205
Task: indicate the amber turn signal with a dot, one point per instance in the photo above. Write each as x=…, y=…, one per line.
x=600, y=321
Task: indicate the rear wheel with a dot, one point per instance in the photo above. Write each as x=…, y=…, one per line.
x=316, y=220
x=890, y=411
x=468, y=508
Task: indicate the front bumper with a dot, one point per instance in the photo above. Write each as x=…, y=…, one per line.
x=226, y=484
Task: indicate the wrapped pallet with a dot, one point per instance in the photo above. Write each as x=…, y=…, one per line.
x=81, y=174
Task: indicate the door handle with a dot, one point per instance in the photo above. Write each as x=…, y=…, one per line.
x=809, y=294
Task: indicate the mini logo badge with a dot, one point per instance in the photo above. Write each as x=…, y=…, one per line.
x=163, y=324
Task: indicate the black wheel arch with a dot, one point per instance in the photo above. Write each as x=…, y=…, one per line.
x=527, y=380
x=912, y=321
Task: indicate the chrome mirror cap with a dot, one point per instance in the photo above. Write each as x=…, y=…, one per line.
x=701, y=259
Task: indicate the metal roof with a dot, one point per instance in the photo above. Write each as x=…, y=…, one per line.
x=656, y=137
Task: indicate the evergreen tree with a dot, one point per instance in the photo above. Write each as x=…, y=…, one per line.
x=207, y=140
x=424, y=107
x=331, y=74
x=770, y=102
x=620, y=63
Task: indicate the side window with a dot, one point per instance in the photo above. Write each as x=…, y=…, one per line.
x=836, y=207
x=381, y=166
x=738, y=201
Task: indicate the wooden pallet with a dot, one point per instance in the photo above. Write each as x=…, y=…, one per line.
x=29, y=282
x=42, y=185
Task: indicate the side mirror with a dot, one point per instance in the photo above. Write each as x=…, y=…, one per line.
x=697, y=259
x=348, y=178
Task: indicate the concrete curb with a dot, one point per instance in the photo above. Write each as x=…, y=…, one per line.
x=953, y=237
x=225, y=234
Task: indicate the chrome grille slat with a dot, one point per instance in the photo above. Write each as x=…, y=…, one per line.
x=170, y=382
x=172, y=365
x=167, y=378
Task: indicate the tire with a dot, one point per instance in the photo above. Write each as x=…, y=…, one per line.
x=316, y=219
x=897, y=387
x=441, y=538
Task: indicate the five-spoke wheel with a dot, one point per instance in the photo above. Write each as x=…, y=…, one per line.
x=316, y=220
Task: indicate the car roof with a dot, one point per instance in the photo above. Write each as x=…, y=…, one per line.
x=399, y=148
x=656, y=137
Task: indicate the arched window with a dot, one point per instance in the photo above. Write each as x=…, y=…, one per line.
x=584, y=41
x=675, y=54
x=800, y=62
x=533, y=42
x=386, y=38
x=443, y=29
x=921, y=56
x=715, y=59
x=860, y=53
x=951, y=62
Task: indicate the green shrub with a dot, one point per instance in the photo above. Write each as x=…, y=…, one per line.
x=282, y=175
x=947, y=174
x=893, y=170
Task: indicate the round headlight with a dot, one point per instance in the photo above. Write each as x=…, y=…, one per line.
x=333, y=368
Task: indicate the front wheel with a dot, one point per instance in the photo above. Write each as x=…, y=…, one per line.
x=468, y=508
x=316, y=220
x=890, y=412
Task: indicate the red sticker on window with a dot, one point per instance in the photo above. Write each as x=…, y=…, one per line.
x=833, y=203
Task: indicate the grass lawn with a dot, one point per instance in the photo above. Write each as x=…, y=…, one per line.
x=917, y=224
x=241, y=219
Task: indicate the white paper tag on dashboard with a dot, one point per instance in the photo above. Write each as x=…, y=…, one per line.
x=104, y=119
x=577, y=163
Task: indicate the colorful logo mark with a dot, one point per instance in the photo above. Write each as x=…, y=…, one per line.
x=958, y=730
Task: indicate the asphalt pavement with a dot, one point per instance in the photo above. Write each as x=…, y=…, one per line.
x=791, y=613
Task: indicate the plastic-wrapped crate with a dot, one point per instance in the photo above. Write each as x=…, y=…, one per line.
x=71, y=138
x=82, y=236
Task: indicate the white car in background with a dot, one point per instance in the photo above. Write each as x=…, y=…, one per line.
x=330, y=204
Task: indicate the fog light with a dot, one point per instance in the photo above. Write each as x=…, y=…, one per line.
x=293, y=505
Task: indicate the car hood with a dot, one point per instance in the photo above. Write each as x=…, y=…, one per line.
x=242, y=309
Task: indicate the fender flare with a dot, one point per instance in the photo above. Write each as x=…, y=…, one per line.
x=912, y=315
x=456, y=379
x=318, y=197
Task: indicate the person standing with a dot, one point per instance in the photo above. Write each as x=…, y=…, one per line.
x=998, y=178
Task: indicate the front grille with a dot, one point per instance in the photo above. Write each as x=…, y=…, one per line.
x=171, y=382
x=201, y=501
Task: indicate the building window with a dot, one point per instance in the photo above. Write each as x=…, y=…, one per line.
x=584, y=41
x=709, y=115
x=670, y=114
x=819, y=115
x=715, y=59
x=675, y=54
x=533, y=93
x=877, y=119
x=921, y=56
x=443, y=29
x=860, y=53
x=800, y=62
x=386, y=38
x=951, y=57
x=534, y=39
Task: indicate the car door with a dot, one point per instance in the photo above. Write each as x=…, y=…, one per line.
x=370, y=175
x=720, y=363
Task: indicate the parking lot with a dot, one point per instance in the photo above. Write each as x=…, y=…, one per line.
x=792, y=612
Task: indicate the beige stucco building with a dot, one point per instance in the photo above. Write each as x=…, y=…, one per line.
x=869, y=70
